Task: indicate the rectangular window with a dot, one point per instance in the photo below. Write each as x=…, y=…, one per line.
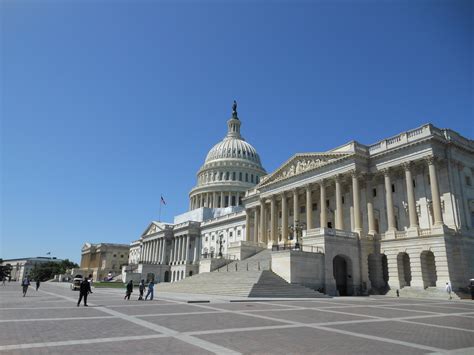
x=279, y=214
x=251, y=178
x=327, y=203
x=257, y=179
x=240, y=176
x=315, y=206
x=468, y=181
x=374, y=192
x=393, y=187
x=302, y=209
x=233, y=176
x=246, y=177
x=343, y=200
x=414, y=183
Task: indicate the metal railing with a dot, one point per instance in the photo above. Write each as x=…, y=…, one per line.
x=306, y=248
x=218, y=256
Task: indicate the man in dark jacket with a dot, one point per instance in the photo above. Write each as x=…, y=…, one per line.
x=129, y=290
x=84, y=290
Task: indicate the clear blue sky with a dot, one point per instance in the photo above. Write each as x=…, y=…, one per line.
x=107, y=104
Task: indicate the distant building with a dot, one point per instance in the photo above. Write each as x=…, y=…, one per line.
x=104, y=259
x=22, y=267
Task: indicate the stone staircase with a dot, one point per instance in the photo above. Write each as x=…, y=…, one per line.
x=426, y=293
x=257, y=262
x=264, y=283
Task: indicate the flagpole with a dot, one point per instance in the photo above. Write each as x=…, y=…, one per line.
x=159, y=211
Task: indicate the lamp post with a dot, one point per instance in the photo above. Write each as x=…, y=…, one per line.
x=297, y=228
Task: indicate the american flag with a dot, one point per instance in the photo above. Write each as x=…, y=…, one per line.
x=162, y=200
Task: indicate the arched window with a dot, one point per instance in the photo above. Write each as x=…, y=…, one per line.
x=233, y=176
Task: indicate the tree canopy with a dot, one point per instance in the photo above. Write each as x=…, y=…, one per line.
x=5, y=270
x=46, y=271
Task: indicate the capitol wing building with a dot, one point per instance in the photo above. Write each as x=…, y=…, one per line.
x=358, y=219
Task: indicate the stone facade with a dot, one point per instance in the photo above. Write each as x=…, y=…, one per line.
x=352, y=220
x=393, y=214
x=103, y=259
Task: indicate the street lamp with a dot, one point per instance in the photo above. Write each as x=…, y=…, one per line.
x=297, y=229
x=220, y=245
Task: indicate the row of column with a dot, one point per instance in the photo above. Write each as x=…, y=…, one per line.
x=259, y=213
x=154, y=251
x=212, y=200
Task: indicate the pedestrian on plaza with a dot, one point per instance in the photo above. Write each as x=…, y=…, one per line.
x=3, y=281
x=25, y=283
x=141, y=289
x=37, y=284
x=129, y=290
x=398, y=293
x=84, y=290
x=151, y=286
x=449, y=289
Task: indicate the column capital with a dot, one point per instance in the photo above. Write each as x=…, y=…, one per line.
x=431, y=159
x=355, y=173
x=407, y=166
x=386, y=171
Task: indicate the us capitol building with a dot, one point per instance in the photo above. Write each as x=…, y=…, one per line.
x=357, y=219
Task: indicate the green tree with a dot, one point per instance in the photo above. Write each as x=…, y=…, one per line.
x=46, y=271
x=5, y=270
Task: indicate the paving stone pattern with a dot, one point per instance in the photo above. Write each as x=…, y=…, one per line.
x=49, y=322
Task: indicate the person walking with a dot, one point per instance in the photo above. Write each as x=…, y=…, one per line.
x=37, y=284
x=449, y=289
x=3, y=281
x=151, y=286
x=84, y=290
x=141, y=290
x=24, y=284
x=129, y=290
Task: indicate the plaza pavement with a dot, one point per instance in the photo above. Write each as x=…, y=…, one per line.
x=48, y=322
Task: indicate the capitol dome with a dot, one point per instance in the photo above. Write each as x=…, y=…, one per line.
x=231, y=167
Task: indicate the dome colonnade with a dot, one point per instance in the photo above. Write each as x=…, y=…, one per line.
x=231, y=167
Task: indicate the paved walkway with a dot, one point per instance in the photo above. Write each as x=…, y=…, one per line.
x=48, y=322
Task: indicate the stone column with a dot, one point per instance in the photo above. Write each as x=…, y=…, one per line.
x=284, y=218
x=222, y=200
x=356, y=202
x=370, y=206
x=214, y=200
x=186, y=250
x=237, y=199
x=255, y=225
x=152, y=252
x=323, y=218
x=339, y=215
x=435, y=196
x=411, y=197
x=144, y=250
x=247, y=225
x=273, y=219
x=309, y=208
x=175, y=250
x=262, y=222
x=389, y=201
x=230, y=199
x=160, y=251
x=296, y=212
x=196, y=242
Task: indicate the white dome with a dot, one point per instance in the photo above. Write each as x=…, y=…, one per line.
x=233, y=148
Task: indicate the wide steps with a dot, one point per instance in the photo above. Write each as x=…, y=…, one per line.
x=245, y=284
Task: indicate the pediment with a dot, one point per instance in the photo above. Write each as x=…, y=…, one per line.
x=152, y=228
x=301, y=163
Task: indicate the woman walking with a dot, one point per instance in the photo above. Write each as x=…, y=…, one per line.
x=141, y=289
x=129, y=290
